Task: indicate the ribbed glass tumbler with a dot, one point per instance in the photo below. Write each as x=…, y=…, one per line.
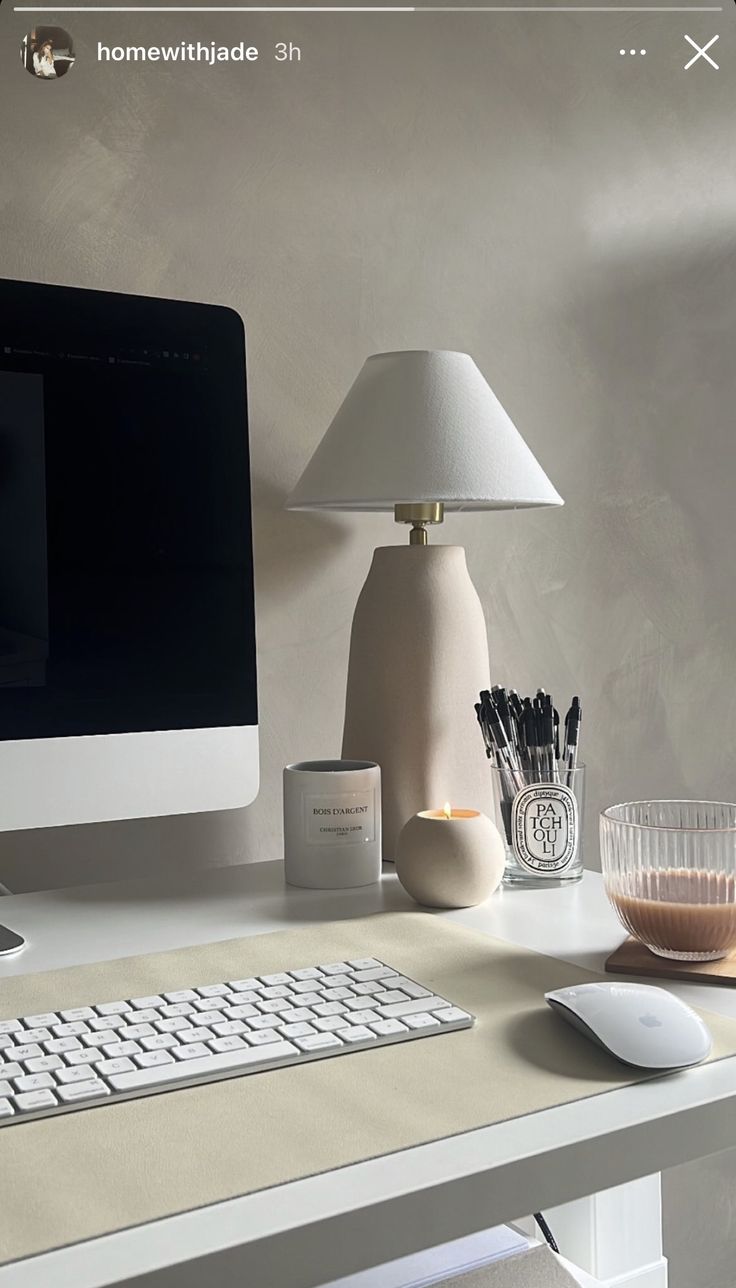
x=669, y=869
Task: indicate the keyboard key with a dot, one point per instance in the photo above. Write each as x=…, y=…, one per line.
x=38, y=1035
x=361, y=1017
x=209, y=1004
x=11, y=1069
x=329, y=1008
x=357, y=1033
x=182, y=995
x=329, y=1023
x=30, y=1049
x=309, y=972
x=387, y=1028
x=228, y=1028
x=78, y=1013
x=244, y=985
x=298, y=1031
x=422, y=1021
x=242, y=999
x=412, y=1007
x=122, y=1065
x=6, y=1109
x=369, y=976
x=34, y=1082
x=364, y=963
x=41, y=1022
x=85, y=1056
x=60, y=1046
x=146, y=1015
x=159, y=1042
x=335, y=968
x=102, y=1038
x=44, y=1021
x=192, y=1051
x=374, y=973
x=91, y=1090
x=6, y=1042
x=197, y=1034
x=299, y=1015
x=307, y=999
x=261, y=1022
x=409, y=987
x=211, y=1065
x=117, y=1049
x=449, y=1014
x=102, y=1022
x=172, y=1009
x=10, y=1026
x=227, y=1044
x=391, y=995
x=30, y=1100
x=240, y=1012
x=361, y=1003
x=262, y=1037
x=281, y=978
x=76, y=1027
x=336, y=994
x=302, y=985
x=275, y=990
x=135, y=1031
x=44, y=1064
x=6, y=1088
x=320, y=1042
x=112, y=1008
x=145, y=1003
x=274, y=1007
x=150, y=1059
x=214, y=990
x=176, y=1024
x=77, y=1073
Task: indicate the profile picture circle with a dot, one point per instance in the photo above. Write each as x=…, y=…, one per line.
x=47, y=52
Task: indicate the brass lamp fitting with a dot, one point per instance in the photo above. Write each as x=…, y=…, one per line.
x=419, y=514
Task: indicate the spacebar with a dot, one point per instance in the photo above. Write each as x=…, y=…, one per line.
x=208, y=1064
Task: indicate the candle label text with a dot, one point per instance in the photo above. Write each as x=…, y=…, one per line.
x=347, y=818
x=544, y=828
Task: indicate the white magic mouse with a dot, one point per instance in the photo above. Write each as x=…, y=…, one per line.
x=637, y=1023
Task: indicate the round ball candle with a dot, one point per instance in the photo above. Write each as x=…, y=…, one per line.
x=450, y=858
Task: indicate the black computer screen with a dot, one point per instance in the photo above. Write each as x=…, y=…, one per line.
x=126, y=580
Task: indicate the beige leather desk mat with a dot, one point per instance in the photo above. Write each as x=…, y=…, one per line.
x=86, y=1174
x=538, y=1268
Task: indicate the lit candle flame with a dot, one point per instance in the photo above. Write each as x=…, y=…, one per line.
x=447, y=810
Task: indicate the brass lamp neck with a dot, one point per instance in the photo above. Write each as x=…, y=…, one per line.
x=419, y=514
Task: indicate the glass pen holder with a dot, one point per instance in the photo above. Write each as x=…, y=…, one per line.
x=541, y=824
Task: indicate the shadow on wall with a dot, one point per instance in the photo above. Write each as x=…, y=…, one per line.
x=658, y=466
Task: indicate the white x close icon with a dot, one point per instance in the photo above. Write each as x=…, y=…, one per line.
x=701, y=52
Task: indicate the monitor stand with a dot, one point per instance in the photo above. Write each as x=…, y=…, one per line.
x=10, y=942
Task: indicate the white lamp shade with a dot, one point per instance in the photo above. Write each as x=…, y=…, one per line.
x=422, y=425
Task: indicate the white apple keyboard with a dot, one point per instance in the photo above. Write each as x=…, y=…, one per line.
x=87, y=1055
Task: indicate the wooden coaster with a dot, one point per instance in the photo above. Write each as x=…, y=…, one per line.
x=632, y=958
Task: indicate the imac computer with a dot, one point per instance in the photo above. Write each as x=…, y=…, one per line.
x=127, y=633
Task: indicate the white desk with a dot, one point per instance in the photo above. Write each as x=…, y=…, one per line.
x=311, y=1231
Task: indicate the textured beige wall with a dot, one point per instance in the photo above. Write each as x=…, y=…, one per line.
x=507, y=186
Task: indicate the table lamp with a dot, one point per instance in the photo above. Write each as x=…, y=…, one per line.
x=420, y=432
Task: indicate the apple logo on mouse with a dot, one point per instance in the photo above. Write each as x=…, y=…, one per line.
x=650, y=1021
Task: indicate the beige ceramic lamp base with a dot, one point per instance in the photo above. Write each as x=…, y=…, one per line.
x=418, y=660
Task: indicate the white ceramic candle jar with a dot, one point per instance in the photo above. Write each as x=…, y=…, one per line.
x=332, y=823
x=450, y=858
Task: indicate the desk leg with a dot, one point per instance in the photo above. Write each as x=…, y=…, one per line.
x=615, y=1235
